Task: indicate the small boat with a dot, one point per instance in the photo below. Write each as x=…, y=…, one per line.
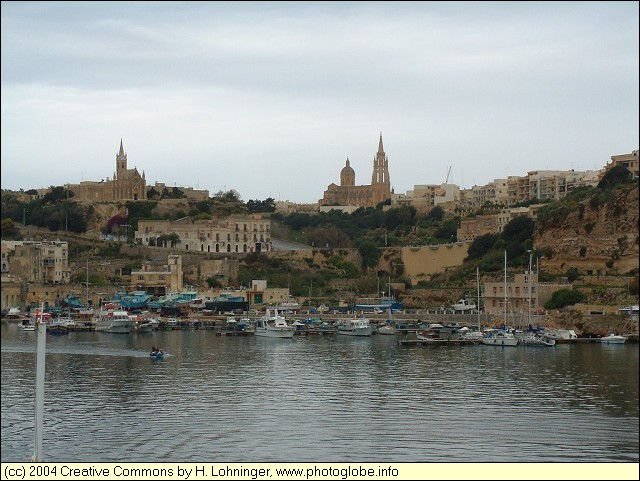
x=355, y=327
x=387, y=329
x=27, y=324
x=500, y=338
x=274, y=326
x=613, y=339
x=532, y=339
x=464, y=305
x=156, y=353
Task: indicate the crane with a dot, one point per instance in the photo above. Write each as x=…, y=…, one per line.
x=448, y=172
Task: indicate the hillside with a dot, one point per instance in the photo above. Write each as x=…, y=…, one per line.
x=597, y=234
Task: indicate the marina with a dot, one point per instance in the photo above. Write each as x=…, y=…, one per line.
x=587, y=392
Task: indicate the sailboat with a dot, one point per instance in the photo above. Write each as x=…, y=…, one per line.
x=502, y=337
x=469, y=334
x=387, y=328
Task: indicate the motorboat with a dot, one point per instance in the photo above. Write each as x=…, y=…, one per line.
x=500, y=338
x=613, y=339
x=112, y=318
x=560, y=334
x=464, y=305
x=355, y=327
x=387, y=330
x=273, y=325
x=532, y=339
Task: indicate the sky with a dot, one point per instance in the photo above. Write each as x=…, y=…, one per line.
x=270, y=98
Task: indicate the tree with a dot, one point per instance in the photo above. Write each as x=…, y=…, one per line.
x=564, y=297
x=481, y=245
x=369, y=252
x=618, y=174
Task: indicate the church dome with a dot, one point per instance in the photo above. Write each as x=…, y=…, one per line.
x=347, y=175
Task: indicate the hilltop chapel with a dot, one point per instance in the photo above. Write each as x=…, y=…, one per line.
x=350, y=194
x=127, y=184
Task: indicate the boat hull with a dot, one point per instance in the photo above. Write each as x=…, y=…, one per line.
x=500, y=341
x=115, y=327
x=275, y=333
x=613, y=340
x=358, y=331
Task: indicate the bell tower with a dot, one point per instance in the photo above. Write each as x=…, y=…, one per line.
x=121, y=163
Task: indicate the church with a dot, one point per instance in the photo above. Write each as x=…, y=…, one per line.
x=350, y=194
x=127, y=184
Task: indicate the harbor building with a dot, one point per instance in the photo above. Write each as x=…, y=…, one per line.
x=233, y=234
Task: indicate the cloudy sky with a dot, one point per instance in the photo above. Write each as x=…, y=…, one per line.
x=270, y=98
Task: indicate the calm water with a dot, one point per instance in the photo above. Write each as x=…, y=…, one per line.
x=321, y=398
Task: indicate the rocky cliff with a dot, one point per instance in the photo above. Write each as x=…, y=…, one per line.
x=596, y=235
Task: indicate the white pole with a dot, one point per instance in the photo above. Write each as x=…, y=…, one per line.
x=41, y=342
x=505, y=290
x=478, y=303
x=530, y=260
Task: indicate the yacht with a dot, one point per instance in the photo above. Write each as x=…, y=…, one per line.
x=355, y=327
x=273, y=325
x=114, y=319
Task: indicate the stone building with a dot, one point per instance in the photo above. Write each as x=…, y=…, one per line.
x=38, y=262
x=127, y=184
x=517, y=296
x=234, y=234
x=159, y=280
x=350, y=194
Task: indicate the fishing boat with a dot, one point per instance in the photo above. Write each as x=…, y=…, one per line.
x=227, y=303
x=135, y=300
x=113, y=319
x=355, y=327
x=273, y=325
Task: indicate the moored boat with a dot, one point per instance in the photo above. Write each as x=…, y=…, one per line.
x=113, y=319
x=355, y=327
x=273, y=325
x=500, y=338
x=613, y=339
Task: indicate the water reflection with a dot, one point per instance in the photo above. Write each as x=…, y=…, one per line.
x=329, y=398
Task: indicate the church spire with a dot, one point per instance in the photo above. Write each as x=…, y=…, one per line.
x=380, y=148
x=121, y=163
x=121, y=153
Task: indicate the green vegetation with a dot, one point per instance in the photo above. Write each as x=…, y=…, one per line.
x=565, y=297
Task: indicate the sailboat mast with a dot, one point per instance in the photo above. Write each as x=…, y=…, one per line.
x=505, y=290
x=478, y=289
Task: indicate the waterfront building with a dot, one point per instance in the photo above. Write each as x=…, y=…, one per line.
x=350, y=194
x=159, y=280
x=40, y=262
x=233, y=234
x=518, y=295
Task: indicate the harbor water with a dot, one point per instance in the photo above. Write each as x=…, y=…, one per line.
x=318, y=398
